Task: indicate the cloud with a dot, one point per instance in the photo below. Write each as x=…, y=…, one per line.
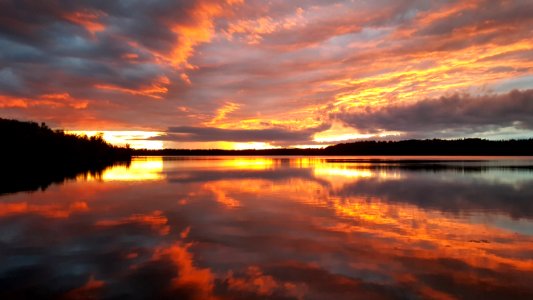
x=477, y=15
x=206, y=134
x=459, y=113
x=143, y=65
x=120, y=44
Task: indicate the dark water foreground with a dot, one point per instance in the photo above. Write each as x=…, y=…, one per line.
x=275, y=228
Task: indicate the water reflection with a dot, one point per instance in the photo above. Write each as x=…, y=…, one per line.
x=140, y=169
x=29, y=176
x=284, y=228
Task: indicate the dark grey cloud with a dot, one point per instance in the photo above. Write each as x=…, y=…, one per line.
x=460, y=113
x=52, y=43
x=9, y=80
x=42, y=23
x=42, y=42
x=206, y=134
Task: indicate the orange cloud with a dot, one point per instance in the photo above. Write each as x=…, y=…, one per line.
x=223, y=112
x=47, y=210
x=221, y=196
x=189, y=35
x=87, y=19
x=254, y=29
x=257, y=283
x=130, y=56
x=156, y=90
x=155, y=220
x=188, y=275
x=185, y=78
x=88, y=290
x=51, y=100
x=13, y=102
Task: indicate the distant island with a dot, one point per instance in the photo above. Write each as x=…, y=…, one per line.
x=34, y=156
x=459, y=147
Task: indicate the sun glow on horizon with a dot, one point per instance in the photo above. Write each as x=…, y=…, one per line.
x=136, y=139
x=219, y=145
x=341, y=133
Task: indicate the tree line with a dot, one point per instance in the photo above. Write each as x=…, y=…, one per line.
x=33, y=156
x=472, y=146
x=34, y=141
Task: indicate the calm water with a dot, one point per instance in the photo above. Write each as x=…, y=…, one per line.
x=283, y=228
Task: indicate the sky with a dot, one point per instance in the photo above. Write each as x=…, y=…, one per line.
x=240, y=74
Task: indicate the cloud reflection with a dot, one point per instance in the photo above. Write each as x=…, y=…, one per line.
x=280, y=228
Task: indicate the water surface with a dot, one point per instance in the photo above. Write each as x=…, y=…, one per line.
x=273, y=227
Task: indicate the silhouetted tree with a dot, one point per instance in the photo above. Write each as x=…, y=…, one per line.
x=34, y=156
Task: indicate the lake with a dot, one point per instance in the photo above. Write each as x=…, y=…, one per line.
x=275, y=228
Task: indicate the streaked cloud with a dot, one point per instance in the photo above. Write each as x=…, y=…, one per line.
x=252, y=66
x=206, y=134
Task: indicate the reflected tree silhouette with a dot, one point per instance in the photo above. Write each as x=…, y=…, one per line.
x=35, y=156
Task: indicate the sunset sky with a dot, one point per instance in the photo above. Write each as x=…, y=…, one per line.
x=255, y=74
